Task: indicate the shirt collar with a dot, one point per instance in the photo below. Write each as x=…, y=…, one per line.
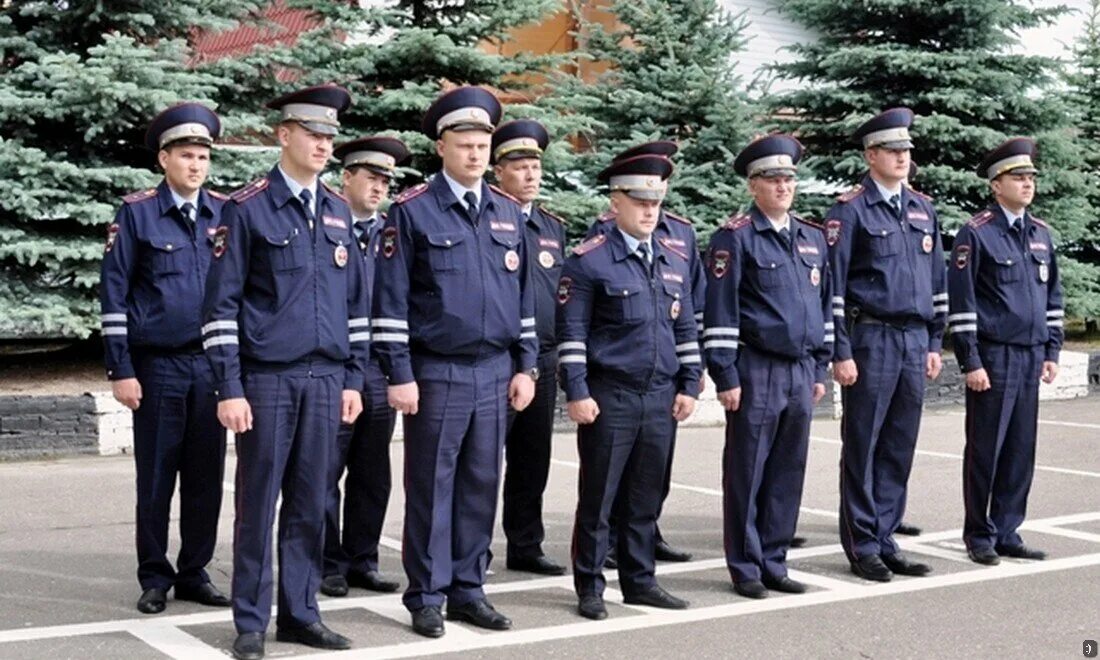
x=885, y=192
x=527, y=208
x=460, y=190
x=181, y=200
x=297, y=188
x=359, y=224
x=633, y=243
x=1012, y=218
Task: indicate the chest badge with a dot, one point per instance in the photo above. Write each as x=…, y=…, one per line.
x=674, y=310
x=1044, y=273
x=926, y=243
x=221, y=241
x=546, y=259
x=511, y=260
x=340, y=256
x=815, y=276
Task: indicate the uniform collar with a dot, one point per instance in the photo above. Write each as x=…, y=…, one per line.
x=1008, y=217
x=762, y=223
x=459, y=191
x=628, y=245
x=876, y=193
x=167, y=199
x=293, y=188
x=445, y=196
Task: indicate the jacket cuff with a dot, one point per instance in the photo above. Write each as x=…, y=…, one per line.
x=972, y=363
x=121, y=372
x=230, y=389
x=576, y=390
x=727, y=380
x=1052, y=354
x=400, y=374
x=353, y=380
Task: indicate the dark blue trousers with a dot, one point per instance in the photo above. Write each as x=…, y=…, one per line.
x=624, y=451
x=363, y=451
x=295, y=416
x=527, y=464
x=882, y=412
x=453, y=451
x=1001, y=425
x=176, y=431
x=764, y=463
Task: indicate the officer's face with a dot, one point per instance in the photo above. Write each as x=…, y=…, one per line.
x=1014, y=191
x=465, y=154
x=520, y=177
x=637, y=217
x=774, y=194
x=303, y=149
x=888, y=165
x=365, y=189
x=185, y=166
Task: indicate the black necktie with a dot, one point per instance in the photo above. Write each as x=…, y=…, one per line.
x=306, y=198
x=785, y=236
x=895, y=203
x=471, y=204
x=188, y=211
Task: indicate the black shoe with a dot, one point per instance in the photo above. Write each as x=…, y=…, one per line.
x=665, y=552
x=152, y=601
x=655, y=596
x=204, y=594
x=249, y=646
x=540, y=564
x=372, y=581
x=872, y=568
x=335, y=586
x=984, y=556
x=1020, y=552
x=901, y=565
x=751, y=589
x=784, y=584
x=316, y=635
x=906, y=529
x=479, y=613
x=592, y=607
x=798, y=541
x=428, y=621
x=611, y=561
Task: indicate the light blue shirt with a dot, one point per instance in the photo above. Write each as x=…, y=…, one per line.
x=1013, y=219
x=460, y=190
x=369, y=222
x=297, y=188
x=633, y=243
x=181, y=200
x=886, y=192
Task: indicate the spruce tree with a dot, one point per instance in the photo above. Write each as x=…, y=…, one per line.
x=669, y=76
x=1083, y=80
x=80, y=81
x=957, y=64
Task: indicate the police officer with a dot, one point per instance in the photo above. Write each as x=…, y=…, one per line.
x=1006, y=319
x=363, y=449
x=454, y=330
x=630, y=368
x=287, y=333
x=676, y=233
x=768, y=342
x=153, y=274
x=889, y=306
x=517, y=148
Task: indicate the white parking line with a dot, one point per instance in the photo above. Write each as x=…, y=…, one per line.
x=959, y=457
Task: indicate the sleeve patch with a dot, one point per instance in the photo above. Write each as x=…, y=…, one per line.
x=962, y=256
x=389, y=242
x=832, y=232
x=112, y=234
x=565, y=287
x=221, y=241
x=720, y=263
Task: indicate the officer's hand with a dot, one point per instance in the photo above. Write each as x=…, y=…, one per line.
x=845, y=372
x=819, y=392
x=520, y=391
x=127, y=392
x=404, y=398
x=978, y=380
x=1050, y=371
x=583, y=411
x=235, y=414
x=933, y=366
x=682, y=407
x=730, y=399
x=351, y=404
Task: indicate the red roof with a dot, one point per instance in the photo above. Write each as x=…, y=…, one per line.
x=289, y=24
